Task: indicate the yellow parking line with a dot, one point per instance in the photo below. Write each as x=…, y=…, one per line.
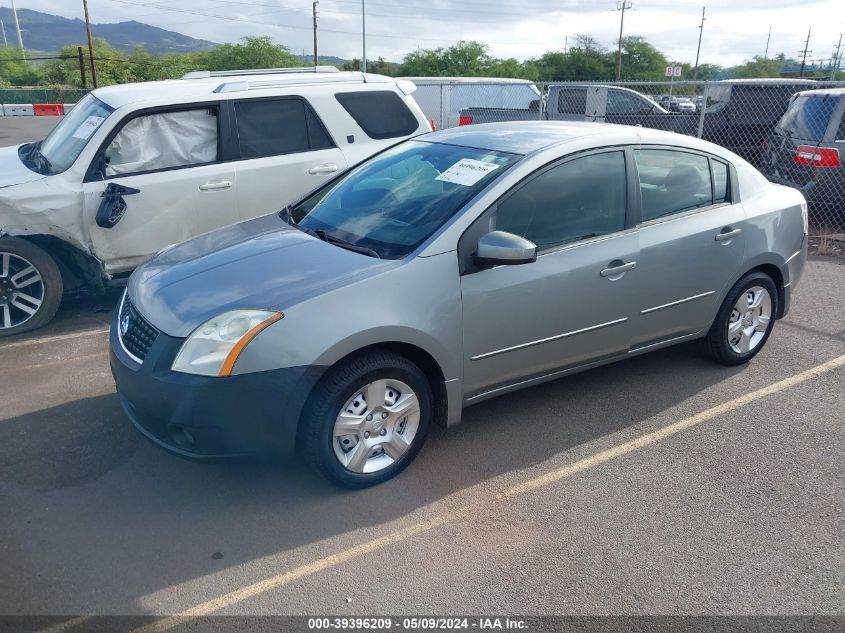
x=309, y=569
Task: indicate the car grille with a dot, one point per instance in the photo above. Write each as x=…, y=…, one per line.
x=136, y=333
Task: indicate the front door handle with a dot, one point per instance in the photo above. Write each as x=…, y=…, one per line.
x=727, y=234
x=618, y=269
x=216, y=185
x=328, y=168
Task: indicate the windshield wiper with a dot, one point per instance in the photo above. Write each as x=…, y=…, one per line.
x=331, y=239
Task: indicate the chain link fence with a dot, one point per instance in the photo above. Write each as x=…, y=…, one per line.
x=41, y=95
x=796, y=140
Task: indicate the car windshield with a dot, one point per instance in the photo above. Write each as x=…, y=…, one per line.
x=394, y=202
x=67, y=140
x=808, y=117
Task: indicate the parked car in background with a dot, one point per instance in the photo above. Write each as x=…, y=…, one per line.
x=581, y=102
x=805, y=148
x=452, y=268
x=443, y=98
x=676, y=104
x=135, y=168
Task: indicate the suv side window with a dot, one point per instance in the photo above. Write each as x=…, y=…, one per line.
x=272, y=127
x=163, y=140
x=840, y=134
x=572, y=101
x=619, y=102
x=672, y=181
x=580, y=198
x=380, y=113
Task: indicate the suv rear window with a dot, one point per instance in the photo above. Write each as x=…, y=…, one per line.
x=808, y=117
x=380, y=113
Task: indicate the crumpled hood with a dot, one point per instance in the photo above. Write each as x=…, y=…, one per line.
x=262, y=263
x=12, y=170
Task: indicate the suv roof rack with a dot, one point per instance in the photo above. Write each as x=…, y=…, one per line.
x=206, y=74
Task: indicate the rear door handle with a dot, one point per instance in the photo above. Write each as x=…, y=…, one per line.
x=216, y=185
x=726, y=235
x=328, y=168
x=618, y=270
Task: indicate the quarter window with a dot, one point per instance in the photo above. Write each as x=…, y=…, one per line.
x=672, y=181
x=164, y=140
x=581, y=198
x=380, y=113
x=720, y=181
x=272, y=127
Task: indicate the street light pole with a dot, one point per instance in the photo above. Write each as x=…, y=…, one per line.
x=364, y=35
x=621, y=5
x=314, y=14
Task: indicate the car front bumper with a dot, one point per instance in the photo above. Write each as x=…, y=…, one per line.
x=210, y=418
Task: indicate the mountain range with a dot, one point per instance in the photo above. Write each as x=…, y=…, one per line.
x=48, y=33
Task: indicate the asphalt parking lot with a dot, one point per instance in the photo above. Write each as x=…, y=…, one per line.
x=663, y=484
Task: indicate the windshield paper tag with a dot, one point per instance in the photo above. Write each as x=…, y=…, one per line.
x=88, y=127
x=467, y=172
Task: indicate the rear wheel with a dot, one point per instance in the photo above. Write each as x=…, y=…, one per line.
x=30, y=286
x=744, y=321
x=367, y=420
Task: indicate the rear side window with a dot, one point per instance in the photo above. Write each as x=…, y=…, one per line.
x=578, y=199
x=572, y=101
x=672, y=181
x=272, y=127
x=380, y=113
x=808, y=117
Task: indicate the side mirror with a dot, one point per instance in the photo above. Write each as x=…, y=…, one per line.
x=503, y=248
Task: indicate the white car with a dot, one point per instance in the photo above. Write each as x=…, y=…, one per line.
x=135, y=168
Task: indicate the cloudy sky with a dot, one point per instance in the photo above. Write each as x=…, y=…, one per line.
x=734, y=31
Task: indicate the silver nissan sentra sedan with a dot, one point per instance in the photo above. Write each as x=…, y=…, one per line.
x=458, y=266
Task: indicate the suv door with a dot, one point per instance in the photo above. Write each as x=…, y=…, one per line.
x=692, y=242
x=172, y=157
x=285, y=152
x=573, y=304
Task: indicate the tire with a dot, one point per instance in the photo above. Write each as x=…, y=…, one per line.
x=31, y=301
x=728, y=342
x=372, y=451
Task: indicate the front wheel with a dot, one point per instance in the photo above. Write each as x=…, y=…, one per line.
x=744, y=321
x=30, y=286
x=367, y=419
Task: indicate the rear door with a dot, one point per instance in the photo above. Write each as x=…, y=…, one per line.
x=692, y=242
x=284, y=152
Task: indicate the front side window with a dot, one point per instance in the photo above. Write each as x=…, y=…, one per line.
x=395, y=201
x=164, y=140
x=381, y=113
x=619, y=102
x=578, y=199
x=672, y=181
x=67, y=140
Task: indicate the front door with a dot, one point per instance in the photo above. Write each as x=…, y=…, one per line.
x=171, y=159
x=573, y=304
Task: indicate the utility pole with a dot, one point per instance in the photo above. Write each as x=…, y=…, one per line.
x=621, y=5
x=698, y=51
x=806, y=52
x=565, y=43
x=314, y=14
x=836, y=59
x=768, y=39
x=18, y=29
x=364, y=35
x=90, y=44
x=81, y=67
x=3, y=28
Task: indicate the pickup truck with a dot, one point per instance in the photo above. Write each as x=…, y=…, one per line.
x=581, y=102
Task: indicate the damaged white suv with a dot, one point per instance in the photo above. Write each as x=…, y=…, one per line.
x=135, y=168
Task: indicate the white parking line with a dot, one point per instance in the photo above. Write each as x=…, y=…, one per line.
x=52, y=339
x=249, y=591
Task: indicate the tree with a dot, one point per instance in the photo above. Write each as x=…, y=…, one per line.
x=466, y=58
x=253, y=52
x=758, y=66
x=15, y=71
x=641, y=60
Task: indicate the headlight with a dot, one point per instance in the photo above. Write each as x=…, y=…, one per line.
x=213, y=348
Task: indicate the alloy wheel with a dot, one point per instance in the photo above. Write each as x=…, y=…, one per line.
x=749, y=320
x=21, y=290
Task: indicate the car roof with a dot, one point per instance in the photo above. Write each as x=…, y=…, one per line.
x=527, y=137
x=823, y=91
x=468, y=80
x=774, y=81
x=203, y=85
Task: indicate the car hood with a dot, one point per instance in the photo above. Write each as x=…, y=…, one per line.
x=12, y=170
x=262, y=263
